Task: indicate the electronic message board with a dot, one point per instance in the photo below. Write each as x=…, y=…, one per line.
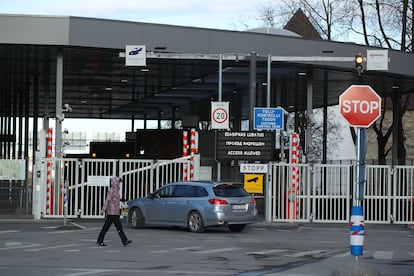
x=245, y=145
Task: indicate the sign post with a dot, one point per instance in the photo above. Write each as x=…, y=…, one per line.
x=360, y=105
x=268, y=118
x=220, y=115
x=135, y=55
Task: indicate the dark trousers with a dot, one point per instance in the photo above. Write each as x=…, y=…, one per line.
x=108, y=222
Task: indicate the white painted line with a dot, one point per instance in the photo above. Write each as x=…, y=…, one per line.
x=175, y=249
x=77, y=225
x=216, y=250
x=92, y=271
x=265, y=252
x=9, y=244
x=383, y=255
x=305, y=253
x=72, y=250
x=327, y=242
x=345, y=254
x=52, y=247
x=187, y=248
x=160, y=251
x=250, y=240
x=9, y=231
x=62, y=231
x=258, y=228
x=19, y=247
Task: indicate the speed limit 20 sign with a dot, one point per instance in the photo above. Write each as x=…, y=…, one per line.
x=219, y=115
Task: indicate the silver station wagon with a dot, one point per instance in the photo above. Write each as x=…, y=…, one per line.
x=195, y=205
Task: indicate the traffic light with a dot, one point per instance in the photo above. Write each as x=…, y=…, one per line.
x=358, y=63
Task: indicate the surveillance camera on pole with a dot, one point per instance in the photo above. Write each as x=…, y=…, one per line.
x=60, y=117
x=67, y=108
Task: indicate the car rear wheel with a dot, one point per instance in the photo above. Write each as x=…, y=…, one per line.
x=137, y=219
x=195, y=222
x=237, y=227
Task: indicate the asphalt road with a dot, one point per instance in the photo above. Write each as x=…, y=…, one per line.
x=44, y=247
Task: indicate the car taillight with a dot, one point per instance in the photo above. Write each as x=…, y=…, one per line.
x=217, y=201
x=252, y=200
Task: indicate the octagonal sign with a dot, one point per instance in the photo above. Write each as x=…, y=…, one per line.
x=360, y=105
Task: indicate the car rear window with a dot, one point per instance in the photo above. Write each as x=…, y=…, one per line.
x=230, y=191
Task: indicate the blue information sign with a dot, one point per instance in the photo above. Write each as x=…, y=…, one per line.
x=268, y=118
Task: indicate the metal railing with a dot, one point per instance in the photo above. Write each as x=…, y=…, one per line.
x=326, y=193
x=322, y=192
x=83, y=184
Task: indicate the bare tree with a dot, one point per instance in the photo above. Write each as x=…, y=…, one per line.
x=327, y=16
x=391, y=16
x=383, y=23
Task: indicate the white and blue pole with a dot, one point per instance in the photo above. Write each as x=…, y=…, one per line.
x=357, y=223
x=357, y=231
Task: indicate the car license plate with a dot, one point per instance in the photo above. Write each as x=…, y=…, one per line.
x=239, y=207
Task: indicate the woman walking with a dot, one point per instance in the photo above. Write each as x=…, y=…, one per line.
x=112, y=209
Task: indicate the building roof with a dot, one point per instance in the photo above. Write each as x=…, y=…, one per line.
x=300, y=24
x=181, y=76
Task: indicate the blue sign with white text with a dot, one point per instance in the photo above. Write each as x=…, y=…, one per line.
x=268, y=118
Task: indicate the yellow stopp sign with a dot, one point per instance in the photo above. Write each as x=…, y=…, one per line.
x=253, y=183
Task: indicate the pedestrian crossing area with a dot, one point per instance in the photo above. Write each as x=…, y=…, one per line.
x=202, y=250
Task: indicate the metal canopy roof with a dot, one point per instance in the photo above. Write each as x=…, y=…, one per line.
x=174, y=85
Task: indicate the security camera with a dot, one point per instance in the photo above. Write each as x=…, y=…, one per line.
x=60, y=117
x=65, y=131
x=67, y=108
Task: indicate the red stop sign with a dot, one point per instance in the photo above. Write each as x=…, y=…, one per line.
x=360, y=105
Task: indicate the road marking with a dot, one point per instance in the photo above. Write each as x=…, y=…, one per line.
x=383, y=255
x=250, y=240
x=93, y=271
x=217, y=250
x=19, y=246
x=52, y=247
x=265, y=252
x=345, y=254
x=9, y=231
x=72, y=250
x=176, y=249
x=78, y=225
x=305, y=253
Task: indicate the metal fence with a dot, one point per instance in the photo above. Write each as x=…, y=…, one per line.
x=325, y=194
x=321, y=192
x=77, y=188
x=15, y=198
